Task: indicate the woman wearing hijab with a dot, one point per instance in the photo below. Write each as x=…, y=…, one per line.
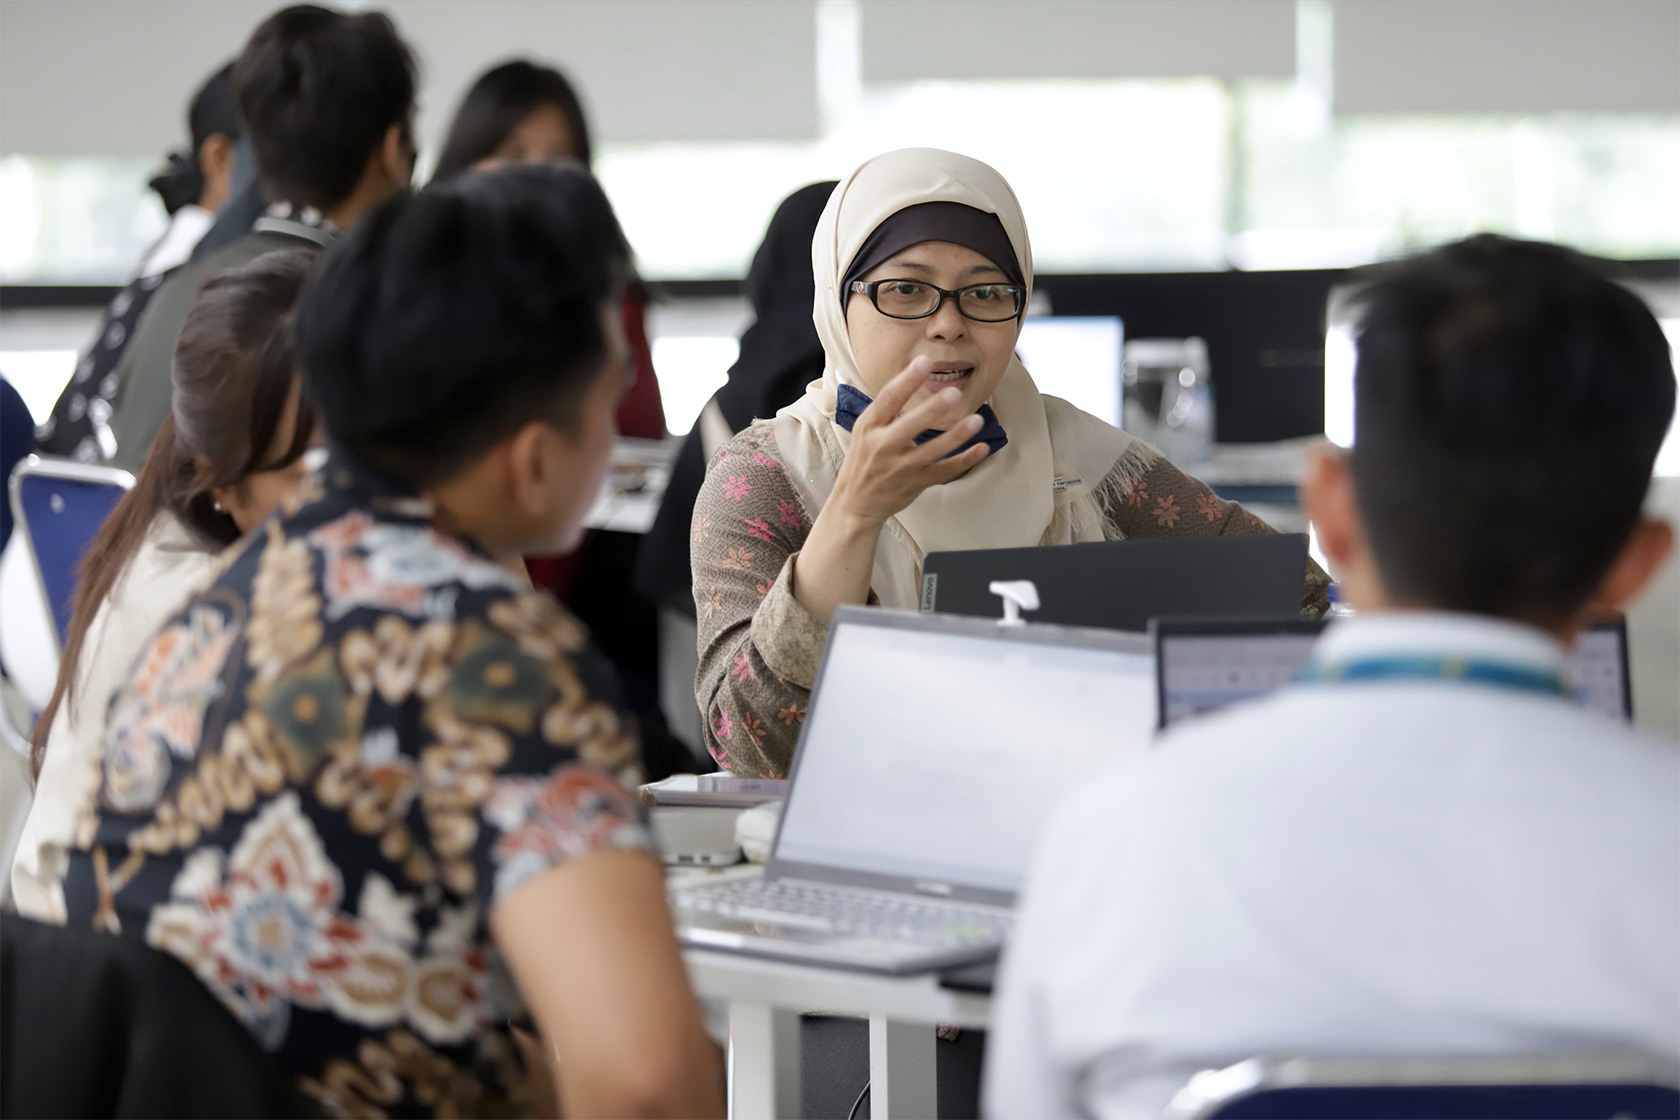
x=780, y=355
x=925, y=434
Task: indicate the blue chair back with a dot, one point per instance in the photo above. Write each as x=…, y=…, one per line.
x=1589, y=1087
x=59, y=505
x=1458, y=1102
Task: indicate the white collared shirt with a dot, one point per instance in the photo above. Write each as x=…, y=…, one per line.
x=1384, y=867
x=187, y=227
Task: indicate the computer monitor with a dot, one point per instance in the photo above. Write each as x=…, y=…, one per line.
x=1598, y=672
x=1077, y=358
x=1205, y=664
x=936, y=748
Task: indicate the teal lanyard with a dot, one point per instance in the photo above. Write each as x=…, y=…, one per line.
x=1437, y=669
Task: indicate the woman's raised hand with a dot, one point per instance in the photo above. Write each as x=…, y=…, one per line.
x=885, y=469
x=883, y=472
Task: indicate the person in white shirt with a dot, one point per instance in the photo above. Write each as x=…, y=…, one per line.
x=1425, y=847
x=231, y=450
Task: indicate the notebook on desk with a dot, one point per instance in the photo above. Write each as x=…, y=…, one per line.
x=1120, y=585
x=1204, y=664
x=932, y=755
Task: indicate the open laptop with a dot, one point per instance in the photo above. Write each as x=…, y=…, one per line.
x=932, y=755
x=1120, y=585
x=1204, y=664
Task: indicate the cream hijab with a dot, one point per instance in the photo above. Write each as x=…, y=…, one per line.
x=1037, y=490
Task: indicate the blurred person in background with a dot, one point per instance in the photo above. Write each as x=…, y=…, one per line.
x=228, y=453
x=327, y=98
x=520, y=112
x=780, y=354
x=517, y=113
x=194, y=186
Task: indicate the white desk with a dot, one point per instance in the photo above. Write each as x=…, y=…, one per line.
x=766, y=998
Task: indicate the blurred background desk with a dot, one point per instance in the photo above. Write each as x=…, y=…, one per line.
x=635, y=483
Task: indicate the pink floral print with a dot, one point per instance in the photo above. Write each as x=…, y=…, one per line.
x=742, y=670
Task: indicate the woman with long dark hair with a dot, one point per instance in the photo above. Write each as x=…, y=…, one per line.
x=229, y=452
x=520, y=112
x=517, y=112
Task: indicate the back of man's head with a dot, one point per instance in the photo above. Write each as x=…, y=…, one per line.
x=318, y=90
x=447, y=320
x=1509, y=404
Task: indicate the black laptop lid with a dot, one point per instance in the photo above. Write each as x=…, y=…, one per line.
x=1120, y=585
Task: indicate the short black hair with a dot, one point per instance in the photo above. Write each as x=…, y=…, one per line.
x=318, y=89
x=497, y=102
x=213, y=110
x=446, y=320
x=1510, y=399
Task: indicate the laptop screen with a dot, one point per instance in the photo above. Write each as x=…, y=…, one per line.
x=935, y=749
x=1205, y=665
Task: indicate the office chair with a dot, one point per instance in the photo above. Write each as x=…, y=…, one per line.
x=1576, y=1087
x=58, y=505
x=96, y=1024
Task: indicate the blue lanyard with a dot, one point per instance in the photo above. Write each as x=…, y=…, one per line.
x=1437, y=669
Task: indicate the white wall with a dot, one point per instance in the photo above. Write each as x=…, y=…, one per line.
x=102, y=77
x=112, y=77
x=1077, y=39
x=646, y=69
x=1507, y=56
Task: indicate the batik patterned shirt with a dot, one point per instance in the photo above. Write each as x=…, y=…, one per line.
x=759, y=648
x=326, y=772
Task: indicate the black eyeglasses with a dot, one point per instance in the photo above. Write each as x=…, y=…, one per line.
x=917, y=299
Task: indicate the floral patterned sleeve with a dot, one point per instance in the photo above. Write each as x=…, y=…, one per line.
x=564, y=785
x=1163, y=501
x=758, y=647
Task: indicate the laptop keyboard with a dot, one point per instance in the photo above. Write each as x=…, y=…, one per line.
x=837, y=910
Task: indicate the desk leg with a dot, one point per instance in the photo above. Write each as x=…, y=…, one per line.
x=903, y=1070
x=763, y=1062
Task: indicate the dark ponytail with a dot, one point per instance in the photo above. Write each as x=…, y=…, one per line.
x=180, y=183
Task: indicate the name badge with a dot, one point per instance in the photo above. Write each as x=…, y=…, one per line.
x=1060, y=484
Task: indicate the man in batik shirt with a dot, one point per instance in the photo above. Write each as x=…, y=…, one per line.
x=370, y=762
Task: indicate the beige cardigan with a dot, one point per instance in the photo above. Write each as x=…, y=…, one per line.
x=168, y=567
